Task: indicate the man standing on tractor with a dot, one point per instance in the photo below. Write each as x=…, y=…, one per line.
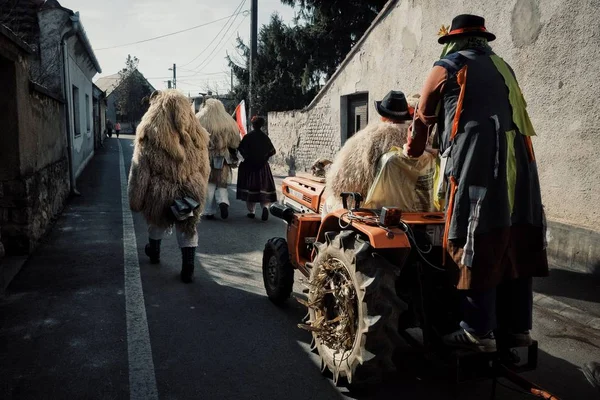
x=495, y=223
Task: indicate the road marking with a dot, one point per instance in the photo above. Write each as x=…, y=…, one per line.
x=142, y=381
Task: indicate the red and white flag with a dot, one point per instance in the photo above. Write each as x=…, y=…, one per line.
x=240, y=117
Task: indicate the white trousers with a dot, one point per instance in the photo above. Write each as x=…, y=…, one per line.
x=183, y=239
x=214, y=197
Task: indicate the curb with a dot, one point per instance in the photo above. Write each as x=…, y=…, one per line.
x=567, y=311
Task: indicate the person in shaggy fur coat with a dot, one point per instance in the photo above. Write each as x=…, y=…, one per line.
x=224, y=141
x=170, y=161
x=354, y=168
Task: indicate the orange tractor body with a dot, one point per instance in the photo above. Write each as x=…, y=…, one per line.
x=373, y=277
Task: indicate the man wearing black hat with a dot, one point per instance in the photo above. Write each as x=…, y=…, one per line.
x=394, y=107
x=355, y=166
x=495, y=223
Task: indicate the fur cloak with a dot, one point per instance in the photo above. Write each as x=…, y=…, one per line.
x=170, y=160
x=224, y=135
x=354, y=167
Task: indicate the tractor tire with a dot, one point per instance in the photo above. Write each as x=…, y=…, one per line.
x=367, y=356
x=278, y=272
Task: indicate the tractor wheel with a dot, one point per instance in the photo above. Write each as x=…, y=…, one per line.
x=353, y=309
x=278, y=272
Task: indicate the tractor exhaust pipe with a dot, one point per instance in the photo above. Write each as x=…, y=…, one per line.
x=282, y=211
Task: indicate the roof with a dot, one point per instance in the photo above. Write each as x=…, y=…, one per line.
x=110, y=82
x=21, y=18
x=10, y=35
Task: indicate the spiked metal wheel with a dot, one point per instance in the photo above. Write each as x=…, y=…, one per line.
x=353, y=309
x=278, y=272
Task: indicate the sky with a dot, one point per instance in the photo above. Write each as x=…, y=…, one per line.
x=110, y=23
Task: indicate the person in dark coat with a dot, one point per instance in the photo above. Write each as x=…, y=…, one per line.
x=495, y=222
x=255, y=180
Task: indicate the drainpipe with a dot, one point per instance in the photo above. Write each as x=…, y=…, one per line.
x=69, y=110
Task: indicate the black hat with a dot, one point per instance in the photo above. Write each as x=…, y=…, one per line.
x=394, y=106
x=467, y=25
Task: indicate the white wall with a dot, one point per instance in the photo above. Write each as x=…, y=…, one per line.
x=83, y=144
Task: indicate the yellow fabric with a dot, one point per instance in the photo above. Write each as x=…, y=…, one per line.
x=403, y=182
x=517, y=101
x=511, y=168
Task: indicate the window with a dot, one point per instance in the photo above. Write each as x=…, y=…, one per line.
x=88, y=123
x=76, y=120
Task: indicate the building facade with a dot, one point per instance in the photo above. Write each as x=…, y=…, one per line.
x=47, y=69
x=559, y=76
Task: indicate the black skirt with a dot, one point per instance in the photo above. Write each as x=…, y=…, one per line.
x=256, y=184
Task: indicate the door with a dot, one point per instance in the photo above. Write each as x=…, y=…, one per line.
x=358, y=116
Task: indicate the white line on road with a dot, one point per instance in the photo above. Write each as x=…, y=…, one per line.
x=142, y=381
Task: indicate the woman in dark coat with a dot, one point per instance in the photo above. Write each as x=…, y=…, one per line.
x=255, y=180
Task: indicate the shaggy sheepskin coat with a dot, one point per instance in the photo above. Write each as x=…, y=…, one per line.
x=224, y=135
x=170, y=160
x=354, y=168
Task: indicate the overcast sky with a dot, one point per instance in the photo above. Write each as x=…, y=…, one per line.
x=111, y=23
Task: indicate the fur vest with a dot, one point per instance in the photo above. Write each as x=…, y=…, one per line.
x=170, y=160
x=354, y=168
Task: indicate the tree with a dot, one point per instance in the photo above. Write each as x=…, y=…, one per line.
x=131, y=91
x=292, y=61
x=280, y=79
x=334, y=26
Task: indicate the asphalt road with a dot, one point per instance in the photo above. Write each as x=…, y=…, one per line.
x=76, y=324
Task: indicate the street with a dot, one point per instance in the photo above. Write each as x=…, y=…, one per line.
x=82, y=321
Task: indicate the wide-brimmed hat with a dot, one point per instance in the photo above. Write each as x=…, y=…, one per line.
x=467, y=25
x=394, y=106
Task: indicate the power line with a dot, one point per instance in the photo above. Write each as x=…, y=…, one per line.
x=236, y=13
x=188, y=76
x=215, y=51
x=205, y=63
x=172, y=33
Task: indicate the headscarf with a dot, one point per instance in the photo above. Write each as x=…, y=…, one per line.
x=464, y=43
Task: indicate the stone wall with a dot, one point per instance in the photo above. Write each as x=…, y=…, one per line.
x=29, y=204
x=34, y=177
x=553, y=47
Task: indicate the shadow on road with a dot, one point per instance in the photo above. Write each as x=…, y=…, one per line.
x=275, y=343
x=572, y=285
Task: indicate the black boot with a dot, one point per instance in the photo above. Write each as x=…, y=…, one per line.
x=188, y=257
x=153, y=251
x=224, y=207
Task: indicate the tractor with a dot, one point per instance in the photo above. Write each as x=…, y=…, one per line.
x=377, y=287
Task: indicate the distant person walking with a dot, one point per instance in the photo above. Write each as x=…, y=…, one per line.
x=255, y=180
x=109, y=128
x=118, y=129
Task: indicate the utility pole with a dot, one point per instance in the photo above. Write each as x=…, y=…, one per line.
x=253, y=53
x=231, y=87
x=174, y=76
